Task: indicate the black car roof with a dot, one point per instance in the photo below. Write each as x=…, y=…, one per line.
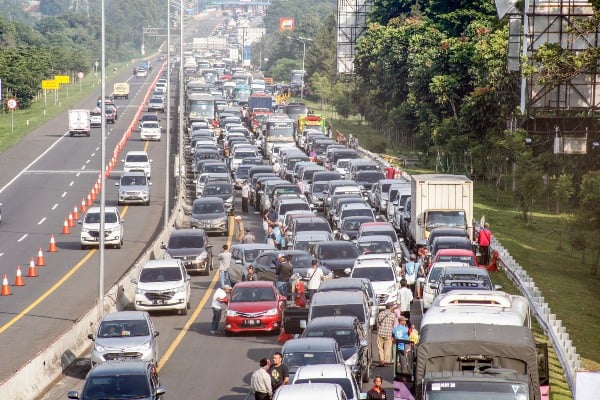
x=339, y=321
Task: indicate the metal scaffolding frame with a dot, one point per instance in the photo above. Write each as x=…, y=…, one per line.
x=570, y=106
x=352, y=18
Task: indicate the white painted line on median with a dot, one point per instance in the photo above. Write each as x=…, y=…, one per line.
x=42, y=221
x=54, y=206
x=33, y=162
x=64, y=194
x=22, y=238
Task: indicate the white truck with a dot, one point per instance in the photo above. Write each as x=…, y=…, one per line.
x=439, y=200
x=79, y=122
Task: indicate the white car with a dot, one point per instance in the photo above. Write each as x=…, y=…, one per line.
x=137, y=161
x=432, y=279
x=384, y=273
x=162, y=285
x=150, y=131
x=113, y=228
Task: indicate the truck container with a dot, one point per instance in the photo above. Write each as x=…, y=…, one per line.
x=79, y=122
x=439, y=200
x=468, y=361
x=121, y=90
x=259, y=100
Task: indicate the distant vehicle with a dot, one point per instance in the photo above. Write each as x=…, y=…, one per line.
x=79, y=122
x=150, y=131
x=95, y=117
x=113, y=228
x=121, y=90
x=134, y=187
x=141, y=72
x=137, y=160
x=156, y=104
x=192, y=247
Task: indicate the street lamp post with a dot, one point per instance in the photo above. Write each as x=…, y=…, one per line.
x=303, y=40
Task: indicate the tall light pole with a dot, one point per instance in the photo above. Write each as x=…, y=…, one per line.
x=303, y=40
x=181, y=87
x=102, y=156
x=168, y=135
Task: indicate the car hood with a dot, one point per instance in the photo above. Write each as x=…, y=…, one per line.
x=348, y=352
x=121, y=342
x=350, y=232
x=252, y=307
x=338, y=265
x=97, y=226
x=168, y=285
x=190, y=251
x=129, y=188
x=205, y=217
x=136, y=164
x=381, y=287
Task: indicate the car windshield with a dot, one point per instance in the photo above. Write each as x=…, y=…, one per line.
x=284, y=208
x=391, y=234
x=208, y=208
x=375, y=247
x=137, y=158
x=313, y=226
x=162, y=274
x=217, y=190
x=357, y=212
x=318, y=187
x=374, y=274
x=298, y=359
x=344, y=337
x=186, y=242
x=133, y=180
x=343, y=164
x=251, y=254
x=352, y=224
x=244, y=154
x=117, y=386
x=369, y=176
x=220, y=169
x=119, y=328
x=252, y=294
x=150, y=125
x=94, y=218
x=462, y=259
x=345, y=383
x=338, y=251
x=352, y=310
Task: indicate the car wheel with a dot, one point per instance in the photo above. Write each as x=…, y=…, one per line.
x=366, y=373
x=227, y=333
x=118, y=246
x=147, y=203
x=183, y=311
x=188, y=305
x=83, y=247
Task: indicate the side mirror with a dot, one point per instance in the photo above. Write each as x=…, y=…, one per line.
x=348, y=271
x=433, y=286
x=156, y=333
x=91, y=336
x=79, y=222
x=117, y=184
x=122, y=161
x=133, y=280
x=238, y=261
x=163, y=246
x=497, y=287
x=149, y=183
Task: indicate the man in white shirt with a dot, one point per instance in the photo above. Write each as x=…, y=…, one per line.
x=260, y=381
x=245, y=196
x=315, y=276
x=405, y=297
x=224, y=261
x=219, y=303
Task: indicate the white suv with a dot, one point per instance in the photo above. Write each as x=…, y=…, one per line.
x=384, y=273
x=162, y=285
x=137, y=161
x=150, y=131
x=113, y=228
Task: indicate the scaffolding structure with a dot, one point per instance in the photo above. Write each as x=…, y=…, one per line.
x=571, y=107
x=352, y=16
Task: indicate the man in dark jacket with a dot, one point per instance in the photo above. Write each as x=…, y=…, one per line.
x=284, y=272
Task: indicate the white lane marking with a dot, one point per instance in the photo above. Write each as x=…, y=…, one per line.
x=77, y=174
x=58, y=171
x=1, y=254
x=71, y=184
x=33, y=162
x=22, y=238
x=87, y=161
x=64, y=194
x=42, y=221
x=97, y=148
x=54, y=206
x=83, y=167
x=93, y=154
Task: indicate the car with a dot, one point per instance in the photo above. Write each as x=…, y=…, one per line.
x=383, y=272
x=339, y=201
x=350, y=336
x=137, y=160
x=376, y=244
x=456, y=255
x=305, y=239
x=192, y=247
x=207, y=177
x=334, y=303
x=156, y=104
x=95, y=117
x=307, y=223
x=308, y=351
x=162, y=285
x=243, y=255
x=336, y=255
x=351, y=285
x=90, y=228
x=433, y=277
x=254, y=306
x=141, y=72
x=120, y=380
x=134, y=187
x=352, y=210
x=125, y=335
x=378, y=229
x=380, y=193
x=463, y=278
x=221, y=190
x=304, y=391
x=349, y=227
x=446, y=231
x=366, y=179
x=150, y=130
x=148, y=117
x=450, y=242
x=339, y=374
x=209, y=213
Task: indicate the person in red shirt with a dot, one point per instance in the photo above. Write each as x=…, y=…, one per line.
x=390, y=172
x=484, y=239
x=376, y=392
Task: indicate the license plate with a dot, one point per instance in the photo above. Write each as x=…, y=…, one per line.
x=158, y=302
x=251, y=322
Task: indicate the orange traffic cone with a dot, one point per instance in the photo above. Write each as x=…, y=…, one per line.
x=71, y=220
x=40, y=262
x=75, y=212
x=32, y=273
x=66, y=230
x=89, y=200
x=52, y=248
x=5, y=287
x=83, y=207
x=19, y=278
x=93, y=193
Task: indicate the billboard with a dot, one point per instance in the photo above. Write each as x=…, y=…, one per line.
x=286, y=24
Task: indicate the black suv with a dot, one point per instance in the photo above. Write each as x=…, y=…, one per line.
x=192, y=248
x=350, y=336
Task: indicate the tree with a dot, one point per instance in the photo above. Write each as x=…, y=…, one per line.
x=529, y=188
x=563, y=189
x=590, y=210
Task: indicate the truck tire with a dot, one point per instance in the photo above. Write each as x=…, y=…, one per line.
x=87, y=133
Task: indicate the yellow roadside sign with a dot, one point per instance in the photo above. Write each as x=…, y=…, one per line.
x=62, y=78
x=50, y=84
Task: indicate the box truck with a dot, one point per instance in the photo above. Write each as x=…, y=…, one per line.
x=121, y=90
x=79, y=122
x=439, y=200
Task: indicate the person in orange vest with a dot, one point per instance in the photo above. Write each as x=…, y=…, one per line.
x=484, y=239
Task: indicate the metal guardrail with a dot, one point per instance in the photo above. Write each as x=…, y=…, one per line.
x=562, y=344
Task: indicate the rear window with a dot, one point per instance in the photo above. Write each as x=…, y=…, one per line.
x=346, y=384
x=136, y=158
x=208, y=208
x=186, y=242
x=339, y=309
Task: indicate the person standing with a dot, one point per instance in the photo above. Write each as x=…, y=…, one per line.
x=280, y=374
x=245, y=196
x=385, y=327
x=484, y=239
x=224, y=261
x=284, y=272
x=249, y=237
x=376, y=392
x=219, y=303
x=405, y=297
x=260, y=381
x=411, y=270
x=315, y=276
x=251, y=274
x=240, y=228
x=401, y=333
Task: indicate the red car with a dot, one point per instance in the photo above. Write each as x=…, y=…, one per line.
x=456, y=255
x=255, y=306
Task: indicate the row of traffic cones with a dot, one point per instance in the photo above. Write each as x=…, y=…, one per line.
x=31, y=273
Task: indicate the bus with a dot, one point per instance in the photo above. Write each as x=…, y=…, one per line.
x=279, y=129
x=201, y=106
x=241, y=94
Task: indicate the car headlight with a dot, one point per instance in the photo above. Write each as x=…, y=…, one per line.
x=353, y=360
x=140, y=291
x=231, y=313
x=180, y=289
x=272, y=312
x=84, y=230
x=99, y=347
x=145, y=192
x=229, y=200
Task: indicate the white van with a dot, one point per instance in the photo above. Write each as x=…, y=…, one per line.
x=137, y=161
x=329, y=373
x=321, y=391
x=491, y=307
